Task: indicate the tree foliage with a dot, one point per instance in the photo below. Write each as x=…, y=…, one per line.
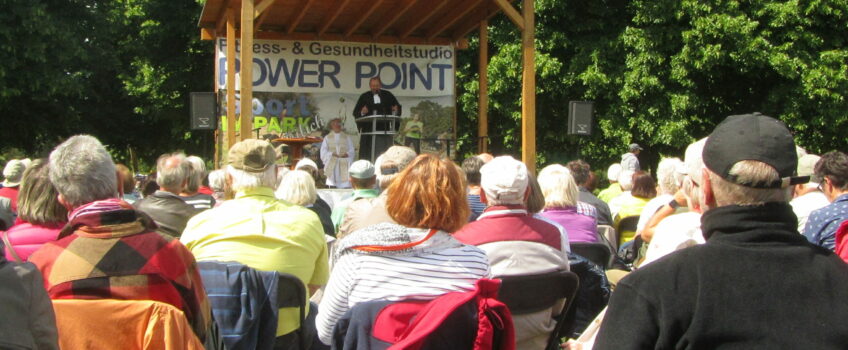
x=663, y=73
x=120, y=70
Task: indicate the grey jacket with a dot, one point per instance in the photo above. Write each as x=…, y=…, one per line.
x=168, y=210
x=28, y=321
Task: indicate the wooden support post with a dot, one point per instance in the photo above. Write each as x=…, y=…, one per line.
x=246, y=71
x=231, y=77
x=483, y=98
x=528, y=88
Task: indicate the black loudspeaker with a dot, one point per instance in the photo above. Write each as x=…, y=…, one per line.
x=580, y=117
x=204, y=111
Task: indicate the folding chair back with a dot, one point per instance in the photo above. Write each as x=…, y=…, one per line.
x=606, y=234
x=292, y=293
x=534, y=293
x=598, y=253
x=626, y=224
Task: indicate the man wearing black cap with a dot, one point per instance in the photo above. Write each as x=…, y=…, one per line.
x=756, y=283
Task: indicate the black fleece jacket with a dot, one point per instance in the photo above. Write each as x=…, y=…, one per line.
x=755, y=284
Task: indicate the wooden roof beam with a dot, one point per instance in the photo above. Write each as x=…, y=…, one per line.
x=484, y=13
x=264, y=5
x=298, y=17
x=222, y=17
x=512, y=13
x=422, y=19
x=332, y=16
x=374, y=5
x=394, y=15
x=448, y=21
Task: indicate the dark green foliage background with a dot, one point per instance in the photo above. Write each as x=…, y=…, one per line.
x=661, y=73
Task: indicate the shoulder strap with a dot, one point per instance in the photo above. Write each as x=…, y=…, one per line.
x=11, y=248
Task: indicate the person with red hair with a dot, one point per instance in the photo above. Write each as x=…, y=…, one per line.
x=417, y=257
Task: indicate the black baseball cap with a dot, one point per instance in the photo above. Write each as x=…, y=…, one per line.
x=753, y=137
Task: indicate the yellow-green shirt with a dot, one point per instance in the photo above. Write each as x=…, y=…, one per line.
x=265, y=233
x=610, y=192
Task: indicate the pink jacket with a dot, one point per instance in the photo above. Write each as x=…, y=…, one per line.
x=26, y=238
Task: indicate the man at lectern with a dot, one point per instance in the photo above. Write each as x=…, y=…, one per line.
x=377, y=115
x=376, y=101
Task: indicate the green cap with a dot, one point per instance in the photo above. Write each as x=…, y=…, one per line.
x=252, y=155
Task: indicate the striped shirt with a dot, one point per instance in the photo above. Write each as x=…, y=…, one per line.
x=360, y=277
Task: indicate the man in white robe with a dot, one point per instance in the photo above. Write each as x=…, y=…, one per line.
x=337, y=154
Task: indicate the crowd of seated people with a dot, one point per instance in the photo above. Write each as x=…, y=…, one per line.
x=737, y=246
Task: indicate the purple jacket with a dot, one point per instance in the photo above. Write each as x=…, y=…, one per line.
x=26, y=238
x=579, y=227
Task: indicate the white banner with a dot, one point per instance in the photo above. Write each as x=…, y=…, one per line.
x=300, y=85
x=342, y=67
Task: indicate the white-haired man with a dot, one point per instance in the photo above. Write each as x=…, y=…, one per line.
x=515, y=242
x=677, y=223
x=756, y=283
x=364, y=212
x=614, y=189
x=165, y=206
x=260, y=231
x=191, y=193
x=108, y=250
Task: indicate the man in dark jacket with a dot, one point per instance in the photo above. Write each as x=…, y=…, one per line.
x=756, y=283
x=165, y=207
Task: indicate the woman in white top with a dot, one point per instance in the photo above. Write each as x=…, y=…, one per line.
x=416, y=258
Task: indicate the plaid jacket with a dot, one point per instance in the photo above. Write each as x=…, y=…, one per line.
x=116, y=255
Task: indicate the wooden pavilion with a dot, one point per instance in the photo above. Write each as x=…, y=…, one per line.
x=437, y=22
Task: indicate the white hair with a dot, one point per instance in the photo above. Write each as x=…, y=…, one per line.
x=613, y=172
x=669, y=176
x=83, y=171
x=197, y=171
x=625, y=180
x=217, y=180
x=558, y=186
x=244, y=180
x=298, y=187
x=172, y=177
x=281, y=172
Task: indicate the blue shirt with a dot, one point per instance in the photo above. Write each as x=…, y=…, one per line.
x=822, y=224
x=477, y=207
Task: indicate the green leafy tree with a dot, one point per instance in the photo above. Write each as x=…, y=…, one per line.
x=663, y=73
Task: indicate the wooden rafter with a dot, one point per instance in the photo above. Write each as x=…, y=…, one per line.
x=264, y=5
x=483, y=13
x=512, y=13
x=374, y=5
x=332, y=16
x=298, y=17
x=222, y=17
x=448, y=21
x=422, y=19
x=393, y=16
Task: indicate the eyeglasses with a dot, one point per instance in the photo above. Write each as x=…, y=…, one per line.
x=819, y=187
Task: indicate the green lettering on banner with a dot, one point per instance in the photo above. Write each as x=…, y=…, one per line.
x=224, y=124
x=289, y=124
x=259, y=122
x=274, y=126
x=304, y=121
